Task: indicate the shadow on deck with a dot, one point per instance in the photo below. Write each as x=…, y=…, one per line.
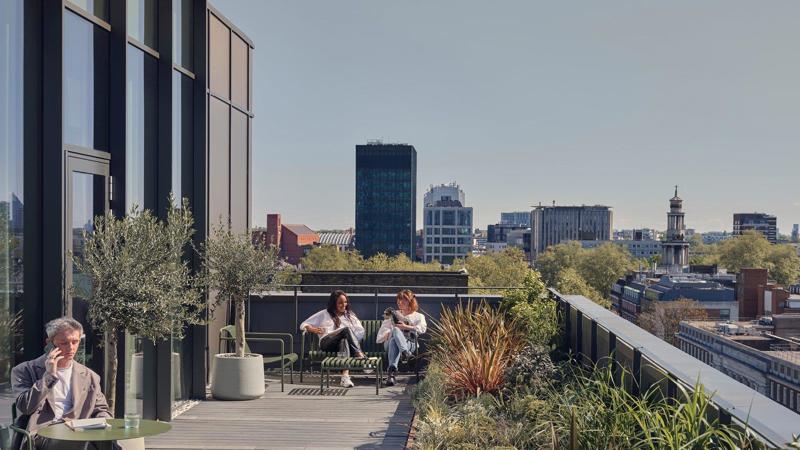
x=298, y=418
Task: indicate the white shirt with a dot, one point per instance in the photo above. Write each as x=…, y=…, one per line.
x=324, y=320
x=416, y=319
x=62, y=392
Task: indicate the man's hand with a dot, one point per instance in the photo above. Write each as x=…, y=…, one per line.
x=51, y=364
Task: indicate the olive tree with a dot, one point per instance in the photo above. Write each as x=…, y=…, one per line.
x=138, y=279
x=234, y=266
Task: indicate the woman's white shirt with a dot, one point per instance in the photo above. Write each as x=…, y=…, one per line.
x=324, y=320
x=416, y=319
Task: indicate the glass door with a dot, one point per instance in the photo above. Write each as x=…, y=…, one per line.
x=87, y=196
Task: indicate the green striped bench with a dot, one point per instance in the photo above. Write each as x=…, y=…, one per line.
x=353, y=364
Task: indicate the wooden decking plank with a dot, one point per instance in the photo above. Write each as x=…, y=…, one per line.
x=359, y=419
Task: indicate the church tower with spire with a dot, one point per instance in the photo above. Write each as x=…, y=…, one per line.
x=675, y=248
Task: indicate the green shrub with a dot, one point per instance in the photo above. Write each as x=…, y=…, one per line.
x=532, y=369
x=533, y=310
x=597, y=414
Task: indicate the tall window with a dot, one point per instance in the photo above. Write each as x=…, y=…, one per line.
x=86, y=83
x=141, y=128
x=11, y=183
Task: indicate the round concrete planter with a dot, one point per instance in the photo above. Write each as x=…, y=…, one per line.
x=235, y=378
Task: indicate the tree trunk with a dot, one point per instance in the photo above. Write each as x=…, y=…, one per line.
x=239, y=327
x=111, y=352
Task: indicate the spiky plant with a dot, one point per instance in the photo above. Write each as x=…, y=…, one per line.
x=473, y=345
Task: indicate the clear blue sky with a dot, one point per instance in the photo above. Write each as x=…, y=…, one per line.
x=525, y=101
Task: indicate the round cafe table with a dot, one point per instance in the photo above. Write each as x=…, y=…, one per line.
x=116, y=432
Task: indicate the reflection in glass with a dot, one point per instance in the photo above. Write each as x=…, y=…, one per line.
x=88, y=201
x=11, y=194
x=85, y=83
x=180, y=372
x=134, y=377
x=182, y=140
x=143, y=22
x=141, y=127
x=182, y=33
x=98, y=8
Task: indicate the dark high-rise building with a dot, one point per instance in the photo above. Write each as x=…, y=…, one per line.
x=763, y=223
x=107, y=104
x=386, y=198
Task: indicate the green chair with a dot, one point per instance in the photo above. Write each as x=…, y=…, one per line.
x=15, y=442
x=371, y=348
x=228, y=334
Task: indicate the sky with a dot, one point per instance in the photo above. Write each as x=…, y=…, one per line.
x=522, y=102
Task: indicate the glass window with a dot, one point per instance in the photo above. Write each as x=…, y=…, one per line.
x=182, y=131
x=11, y=193
x=98, y=8
x=143, y=22
x=85, y=83
x=240, y=70
x=448, y=217
x=219, y=57
x=142, y=128
x=183, y=33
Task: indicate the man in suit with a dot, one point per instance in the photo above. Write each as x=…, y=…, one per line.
x=55, y=387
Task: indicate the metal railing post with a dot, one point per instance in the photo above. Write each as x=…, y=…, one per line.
x=612, y=352
x=637, y=371
x=593, y=343
x=579, y=335
x=296, y=314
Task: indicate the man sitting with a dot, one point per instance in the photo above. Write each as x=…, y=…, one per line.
x=55, y=387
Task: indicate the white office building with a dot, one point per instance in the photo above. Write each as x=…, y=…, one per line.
x=447, y=229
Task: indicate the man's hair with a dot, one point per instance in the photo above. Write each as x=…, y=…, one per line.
x=62, y=324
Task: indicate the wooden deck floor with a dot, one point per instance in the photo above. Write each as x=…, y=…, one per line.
x=297, y=419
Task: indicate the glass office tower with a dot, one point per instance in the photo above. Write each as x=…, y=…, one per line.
x=386, y=198
x=104, y=105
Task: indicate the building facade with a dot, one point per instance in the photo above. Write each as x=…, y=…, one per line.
x=675, y=247
x=795, y=233
x=112, y=104
x=386, y=197
x=763, y=223
x=516, y=218
x=447, y=228
x=639, y=249
x=499, y=232
x=742, y=351
x=551, y=225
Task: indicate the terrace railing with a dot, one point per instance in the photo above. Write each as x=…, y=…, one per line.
x=598, y=336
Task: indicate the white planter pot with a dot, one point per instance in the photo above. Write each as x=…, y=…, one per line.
x=235, y=378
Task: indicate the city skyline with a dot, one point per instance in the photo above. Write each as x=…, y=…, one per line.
x=592, y=104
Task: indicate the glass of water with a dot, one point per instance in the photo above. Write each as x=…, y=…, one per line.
x=132, y=420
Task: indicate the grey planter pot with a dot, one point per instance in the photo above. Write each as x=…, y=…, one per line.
x=234, y=378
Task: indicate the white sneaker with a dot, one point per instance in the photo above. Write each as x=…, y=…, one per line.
x=346, y=382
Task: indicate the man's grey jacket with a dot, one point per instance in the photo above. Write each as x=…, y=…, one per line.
x=34, y=389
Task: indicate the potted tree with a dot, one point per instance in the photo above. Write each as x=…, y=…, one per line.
x=232, y=268
x=138, y=280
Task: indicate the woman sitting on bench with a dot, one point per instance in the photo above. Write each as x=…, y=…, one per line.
x=339, y=330
x=398, y=332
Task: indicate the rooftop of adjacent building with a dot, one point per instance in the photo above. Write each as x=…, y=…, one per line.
x=758, y=334
x=336, y=238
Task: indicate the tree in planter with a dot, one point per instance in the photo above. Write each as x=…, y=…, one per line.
x=138, y=280
x=233, y=266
